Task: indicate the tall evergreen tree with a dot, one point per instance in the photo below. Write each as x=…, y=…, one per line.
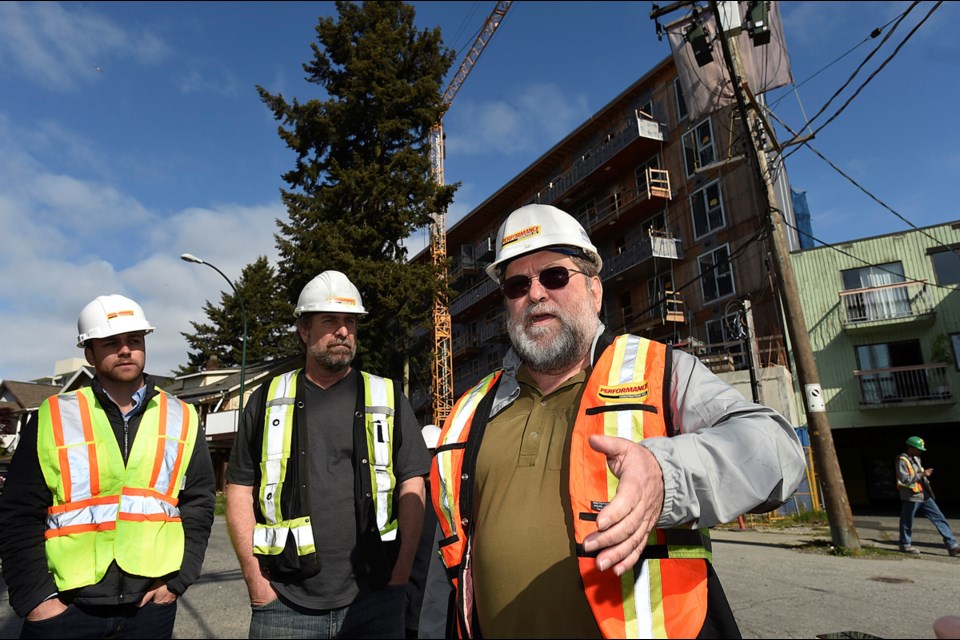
x=361, y=183
x=269, y=323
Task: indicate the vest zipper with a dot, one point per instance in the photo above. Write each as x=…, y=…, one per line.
x=126, y=444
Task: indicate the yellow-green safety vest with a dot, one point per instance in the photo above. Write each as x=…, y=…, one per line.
x=270, y=536
x=102, y=509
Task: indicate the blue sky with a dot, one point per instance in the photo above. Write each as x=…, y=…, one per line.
x=131, y=132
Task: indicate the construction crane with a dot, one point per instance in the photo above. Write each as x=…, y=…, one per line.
x=442, y=331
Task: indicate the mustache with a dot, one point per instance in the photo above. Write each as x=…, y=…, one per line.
x=540, y=308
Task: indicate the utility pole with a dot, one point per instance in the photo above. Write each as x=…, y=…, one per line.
x=842, y=529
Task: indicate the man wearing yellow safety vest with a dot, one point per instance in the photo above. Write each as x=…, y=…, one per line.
x=575, y=485
x=916, y=498
x=326, y=494
x=109, y=501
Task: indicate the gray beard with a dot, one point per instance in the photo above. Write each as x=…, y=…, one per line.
x=330, y=361
x=542, y=355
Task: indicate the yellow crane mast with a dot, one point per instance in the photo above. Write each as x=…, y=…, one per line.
x=442, y=332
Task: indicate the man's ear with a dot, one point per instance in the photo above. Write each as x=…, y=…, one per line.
x=88, y=354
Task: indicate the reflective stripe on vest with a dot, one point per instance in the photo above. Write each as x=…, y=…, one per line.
x=379, y=422
x=916, y=487
x=271, y=537
x=664, y=596
x=83, y=509
x=446, y=469
x=93, y=491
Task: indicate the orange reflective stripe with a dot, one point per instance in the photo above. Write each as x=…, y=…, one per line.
x=84, y=407
x=80, y=504
x=150, y=493
x=80, y=528
x=147, y=517
x=161, y=441
x=57, y=422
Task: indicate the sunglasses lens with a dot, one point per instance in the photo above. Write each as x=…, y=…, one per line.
x=554, y=278
x=516, y=286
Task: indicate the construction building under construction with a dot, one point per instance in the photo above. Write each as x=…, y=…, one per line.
x=679, y=217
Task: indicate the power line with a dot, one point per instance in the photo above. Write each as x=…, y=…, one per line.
x=896, y=51
x=865, y=190
x=856, y=71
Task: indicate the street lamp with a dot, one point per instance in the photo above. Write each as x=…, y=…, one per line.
x=189, y=257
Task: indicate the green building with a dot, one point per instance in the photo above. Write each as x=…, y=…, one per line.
x=884, y=320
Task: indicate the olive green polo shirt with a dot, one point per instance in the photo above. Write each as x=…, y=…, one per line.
x=526, y=576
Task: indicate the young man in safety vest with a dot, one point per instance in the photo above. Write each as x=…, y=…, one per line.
x=575, y=485
x=109, y=501
x=326, y=492
x=916, y=498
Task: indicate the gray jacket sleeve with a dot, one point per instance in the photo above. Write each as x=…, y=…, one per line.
x=731, y=456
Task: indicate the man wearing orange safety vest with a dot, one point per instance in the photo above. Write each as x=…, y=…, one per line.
x=109, y=501
x=916, y=498
x=575, y=485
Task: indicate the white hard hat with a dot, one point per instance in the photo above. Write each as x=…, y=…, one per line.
x=110, y=316
x=536, y=227
x=431, y=435
x=329, y=292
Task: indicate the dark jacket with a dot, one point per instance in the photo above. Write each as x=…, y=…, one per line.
x=23, y=512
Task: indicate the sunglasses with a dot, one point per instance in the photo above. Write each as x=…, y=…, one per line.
x=550, y=278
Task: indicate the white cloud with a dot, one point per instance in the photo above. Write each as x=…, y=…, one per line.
x=69, y=239
x=539, y=116
x=215, y=81
x=61, y=47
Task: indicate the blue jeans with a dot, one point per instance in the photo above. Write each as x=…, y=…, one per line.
x=121, y=621
x=930, y=510
x=374, y=614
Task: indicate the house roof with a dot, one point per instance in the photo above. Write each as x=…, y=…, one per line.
x=28, y=395
x=230, y=384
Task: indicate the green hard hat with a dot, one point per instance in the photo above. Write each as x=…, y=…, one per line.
x=916, y=442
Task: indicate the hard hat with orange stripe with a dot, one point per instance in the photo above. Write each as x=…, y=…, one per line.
x=329, y=292
x=110, y=315
x=540, y=227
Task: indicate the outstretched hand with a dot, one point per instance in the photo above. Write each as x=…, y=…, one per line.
x=624, y=524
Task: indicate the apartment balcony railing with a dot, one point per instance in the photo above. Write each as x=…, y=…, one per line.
x=888, y=303
x=472, y=296
x=639, y=127
x=463, y=344
x=608, y=210
x=657, y=245
x=920, y=383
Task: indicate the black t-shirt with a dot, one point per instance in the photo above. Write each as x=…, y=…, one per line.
x=329, y=464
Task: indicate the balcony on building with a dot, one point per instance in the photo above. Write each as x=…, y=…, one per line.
x=904, y=386
x=463, y=264
x=639, y=134
x=669, y=315
x=880, y=307
x=465, y=344
x=625, y=206
x=656, y=244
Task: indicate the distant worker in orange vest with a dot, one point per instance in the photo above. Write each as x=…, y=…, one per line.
x=575, y=485
x=109, y=501
x=916, y=498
